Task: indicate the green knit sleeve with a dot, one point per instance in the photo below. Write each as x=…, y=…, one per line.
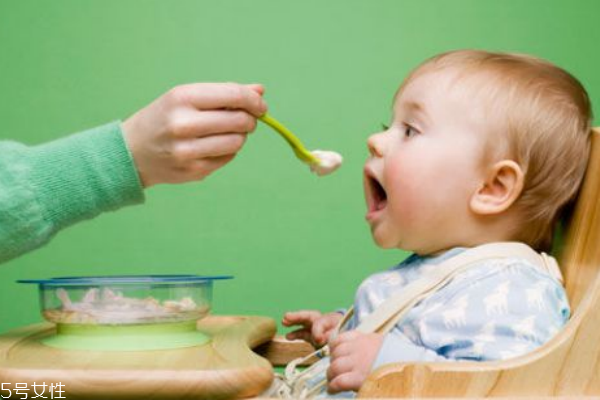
x=48, y=187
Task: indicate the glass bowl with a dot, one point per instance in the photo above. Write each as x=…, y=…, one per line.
x=125, y=300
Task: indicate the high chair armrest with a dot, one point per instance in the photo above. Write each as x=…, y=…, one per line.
x=281, y=351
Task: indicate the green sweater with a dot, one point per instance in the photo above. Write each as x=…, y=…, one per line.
x=48, y=187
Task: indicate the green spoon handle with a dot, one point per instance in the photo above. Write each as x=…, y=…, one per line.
x=295, y=143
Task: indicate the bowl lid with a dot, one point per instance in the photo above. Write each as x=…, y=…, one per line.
x=132, y=279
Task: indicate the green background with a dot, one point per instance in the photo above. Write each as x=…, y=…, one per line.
x=330, y=68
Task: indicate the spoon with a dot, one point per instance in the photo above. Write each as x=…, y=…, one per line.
x=321, y=162
x=301, y=152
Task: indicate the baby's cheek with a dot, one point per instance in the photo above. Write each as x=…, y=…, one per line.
x=405, y=198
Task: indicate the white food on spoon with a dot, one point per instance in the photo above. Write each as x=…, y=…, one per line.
x=329, y=161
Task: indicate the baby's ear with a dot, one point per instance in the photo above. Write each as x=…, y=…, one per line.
x=502, y=186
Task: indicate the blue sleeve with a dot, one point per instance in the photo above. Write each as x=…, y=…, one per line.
x=488, y=313
x=397, y=347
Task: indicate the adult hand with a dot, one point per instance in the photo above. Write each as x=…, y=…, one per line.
x=192, y=130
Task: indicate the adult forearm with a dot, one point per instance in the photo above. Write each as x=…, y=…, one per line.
x=48, y=187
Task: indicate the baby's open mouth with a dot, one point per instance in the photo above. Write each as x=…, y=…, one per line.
x=376, y=194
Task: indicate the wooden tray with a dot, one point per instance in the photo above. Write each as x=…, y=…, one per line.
x=224, y=368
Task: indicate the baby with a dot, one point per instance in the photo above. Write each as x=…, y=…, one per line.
x=482, y=148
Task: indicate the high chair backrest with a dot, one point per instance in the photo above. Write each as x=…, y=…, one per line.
x=569, y=365
x=579, y=255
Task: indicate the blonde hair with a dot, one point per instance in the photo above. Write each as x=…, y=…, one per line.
x=541, y=115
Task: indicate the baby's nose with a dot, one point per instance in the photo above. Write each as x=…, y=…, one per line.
x=375, y=145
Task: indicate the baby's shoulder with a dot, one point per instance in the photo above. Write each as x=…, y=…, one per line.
x=515, y=277
x=508, y=268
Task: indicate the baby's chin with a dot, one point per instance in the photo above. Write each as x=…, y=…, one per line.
x=382, y=239
x=386, y=241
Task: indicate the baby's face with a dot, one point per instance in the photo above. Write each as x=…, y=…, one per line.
x=425, y=167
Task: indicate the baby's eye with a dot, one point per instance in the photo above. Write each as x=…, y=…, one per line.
x=409, y=131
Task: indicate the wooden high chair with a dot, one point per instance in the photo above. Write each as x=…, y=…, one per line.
x=567, y=366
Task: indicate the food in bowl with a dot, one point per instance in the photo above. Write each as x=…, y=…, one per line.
x=125, y=300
